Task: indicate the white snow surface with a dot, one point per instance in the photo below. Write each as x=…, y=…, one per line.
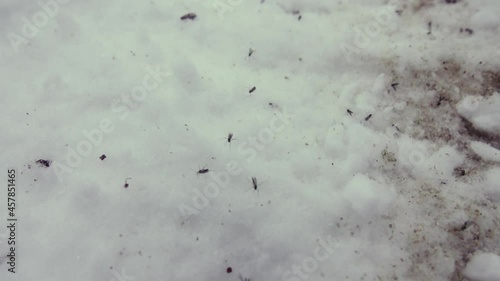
x=484, y=267
x=483, y=113
x=492, y=183
x=366, y=151
x=485, y=151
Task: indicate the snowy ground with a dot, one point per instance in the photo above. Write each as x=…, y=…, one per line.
x=373, y=135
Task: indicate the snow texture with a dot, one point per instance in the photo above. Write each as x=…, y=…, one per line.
x=364, y=140
x=485, y=151
x=484, y=267
x=482, y=112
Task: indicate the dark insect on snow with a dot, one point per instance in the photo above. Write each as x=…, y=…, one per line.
x=126, y=182
x=44, y=163
x=251, y=90
x=188, y=16
x=254, y=182
x=468, y=30
x=273, y=105
x=394, y=85
x=229, y=137
x=466, y=225
x=440, y=100
x=202, y=171
x=250, y=51
x=396, y=128
x=368, y=117
x=350, y=112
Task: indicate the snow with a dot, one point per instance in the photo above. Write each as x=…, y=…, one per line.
x=492, y=181
x=483, y=267
x=368, y=197
x=372, y=134
x=485, y=151
x=482, y=112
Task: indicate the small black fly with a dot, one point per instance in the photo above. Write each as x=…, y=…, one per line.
x=44, y=163
x=254, y=182
x=368, y=117
x=251, y=90
x=394, y=85
x=126, y=182
x=350, y=112
x=396, y=128
x=202, y=171
x=229, y=138
x=188, y=16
